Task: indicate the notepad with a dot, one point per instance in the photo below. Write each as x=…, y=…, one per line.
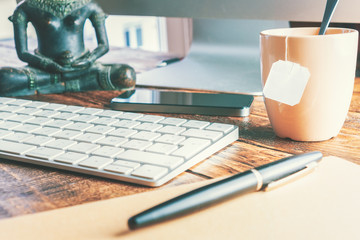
x=322, y=205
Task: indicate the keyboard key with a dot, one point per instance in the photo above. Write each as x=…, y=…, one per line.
x=118, y=169
x=79, y=126
x=128, y=164
x=58, y=123
x=126, y=124
x=61, y=144
x=84, y=118
x=90, y=111
x=112, y=141
x=36, y=104
x=26, y=128
x=83, y=147
x=19, y=102
x=151, y=158
x=170, y=139
x=67, y=134
x=95, y=162
x=150, y=118
x=187, y=151
x=39, y=120
x=8, y=125
x=6, y=115
x=122, y=132
x=221, y=127
x=29, y=111
x=149, y=171
x=136, y=144
x=71, y=109
x=44, y=153
x=46, y=131
x=195, y=124
x=107, y=151
x=171, y=130
x=70, y=157
x=130, y=116
x=100, y=129
x=12, y=109
x=105, y=121
x=196, y=142
x=53, y=106
x=18, y=137
x=200, y=133
x=152, y=127
x=147, y=136
x=89, y=137
x=173, y=121
x=4, y=133
x=191, y=147
x=46, y=113
x=39, y=140
x=66, y=116
x=20, y=118
x=15, y=148
x=5, y=100
x=109, y=113
x=162, y=148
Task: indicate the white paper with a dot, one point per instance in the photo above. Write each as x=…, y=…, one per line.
x=286, y=82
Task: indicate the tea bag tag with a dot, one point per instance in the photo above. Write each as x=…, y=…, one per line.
x=286, y=82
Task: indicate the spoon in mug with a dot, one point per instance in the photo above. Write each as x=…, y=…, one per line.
x=329, y=11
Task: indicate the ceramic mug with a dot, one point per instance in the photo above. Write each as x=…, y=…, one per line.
x=331, y=61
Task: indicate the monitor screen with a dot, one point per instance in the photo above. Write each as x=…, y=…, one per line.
x=225, y=55
x=288, y=10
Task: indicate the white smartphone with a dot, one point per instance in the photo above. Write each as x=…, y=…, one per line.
x=149, y=100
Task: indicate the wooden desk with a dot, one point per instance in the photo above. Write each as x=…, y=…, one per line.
x=26, y=189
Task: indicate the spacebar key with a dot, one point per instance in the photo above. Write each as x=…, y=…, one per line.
x=15, y=148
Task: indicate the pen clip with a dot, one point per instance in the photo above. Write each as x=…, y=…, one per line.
x=293, y=177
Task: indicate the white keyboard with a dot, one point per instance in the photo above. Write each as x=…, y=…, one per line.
x=133, y=147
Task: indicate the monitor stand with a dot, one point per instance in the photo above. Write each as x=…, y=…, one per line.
x=224, y=56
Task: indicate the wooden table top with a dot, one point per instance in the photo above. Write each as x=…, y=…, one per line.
x=26, y=189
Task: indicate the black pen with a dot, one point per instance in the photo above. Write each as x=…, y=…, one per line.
x=252, y=180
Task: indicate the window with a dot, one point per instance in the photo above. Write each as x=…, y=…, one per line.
x=161, y=34
x=157, y=34
x=134, y=32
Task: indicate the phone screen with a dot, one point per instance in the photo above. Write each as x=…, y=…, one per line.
x=149, y=100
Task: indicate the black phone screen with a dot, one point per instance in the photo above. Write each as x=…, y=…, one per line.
x=149, y=100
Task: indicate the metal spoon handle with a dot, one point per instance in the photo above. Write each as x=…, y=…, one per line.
x=329, y=11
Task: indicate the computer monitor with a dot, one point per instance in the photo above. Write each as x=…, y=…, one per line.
x=224, y=55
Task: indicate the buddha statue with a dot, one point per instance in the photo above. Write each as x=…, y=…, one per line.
x=61, y=62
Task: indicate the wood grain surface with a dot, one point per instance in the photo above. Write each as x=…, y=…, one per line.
x=26, y=189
